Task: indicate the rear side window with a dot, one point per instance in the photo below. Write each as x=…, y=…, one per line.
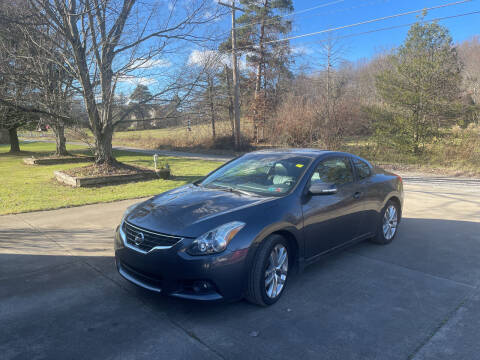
x=363, y=170
x=335, y=171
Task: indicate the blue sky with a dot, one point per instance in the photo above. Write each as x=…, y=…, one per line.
x=339, y=13
x=335, y=13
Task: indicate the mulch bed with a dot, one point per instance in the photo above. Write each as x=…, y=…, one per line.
x=105, y=170
x=99, y=175
x=54, y=159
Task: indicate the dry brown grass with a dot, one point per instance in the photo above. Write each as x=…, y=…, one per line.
x=456, y=152
x=180, y=138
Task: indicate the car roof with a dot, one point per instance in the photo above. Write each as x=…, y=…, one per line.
x=314, y=153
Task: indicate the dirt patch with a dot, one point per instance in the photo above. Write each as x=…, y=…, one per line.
x=53, y=160
x=105, y=170
x=100, y=175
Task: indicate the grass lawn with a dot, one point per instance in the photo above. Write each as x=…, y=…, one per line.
x=451, y=154
x=26, y=188
x=177, y=137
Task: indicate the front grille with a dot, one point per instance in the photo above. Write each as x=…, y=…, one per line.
x=150, y=239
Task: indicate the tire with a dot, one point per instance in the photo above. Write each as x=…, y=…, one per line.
x=384, y=237
x=257, y=291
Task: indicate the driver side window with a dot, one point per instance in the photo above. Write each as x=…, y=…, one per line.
x=333, y=171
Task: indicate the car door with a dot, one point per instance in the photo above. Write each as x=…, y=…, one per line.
x=368, y=196
x=331, y=220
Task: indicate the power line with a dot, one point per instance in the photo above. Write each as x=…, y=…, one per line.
x=399, y=26
x=253, y=23
x=294, y=13
x=363, y=5
x=357, y=24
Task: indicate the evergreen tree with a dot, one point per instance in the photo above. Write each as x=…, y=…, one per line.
x=141, y=94
x=420, y=88
x=258, y=27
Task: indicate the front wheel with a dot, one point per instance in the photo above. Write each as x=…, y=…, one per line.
x=268, y=276
x=388, y=225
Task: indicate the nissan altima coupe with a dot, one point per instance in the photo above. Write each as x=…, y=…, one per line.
x=243, y=230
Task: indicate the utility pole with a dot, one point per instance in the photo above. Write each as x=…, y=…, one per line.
x=236, y=87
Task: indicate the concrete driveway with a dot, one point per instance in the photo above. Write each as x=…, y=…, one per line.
x=418, y=298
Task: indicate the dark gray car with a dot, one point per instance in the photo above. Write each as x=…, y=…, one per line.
x=242, y=230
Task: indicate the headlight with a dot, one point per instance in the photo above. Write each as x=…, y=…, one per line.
x=215, y=240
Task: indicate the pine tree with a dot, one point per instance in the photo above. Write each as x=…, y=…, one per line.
x=420, y=88
x=260, y=24
x=141, y=94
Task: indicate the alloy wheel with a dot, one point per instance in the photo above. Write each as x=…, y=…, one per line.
x=276, y=272
x=390, y=222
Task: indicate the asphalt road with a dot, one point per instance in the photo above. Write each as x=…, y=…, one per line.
x=417, y=298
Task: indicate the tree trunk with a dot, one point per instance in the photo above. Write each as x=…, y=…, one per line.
x=264, y=105
x=212, y=107
x=236, y=85
x=258, y=79
x=230, y=101
x=256, y=100
x=60, y=140
x=103, y=148
x=14, y=144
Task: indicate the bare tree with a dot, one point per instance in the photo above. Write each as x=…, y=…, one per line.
x=210, y=99
x=107, y=40
x=54, y=85
x=331, y=88
x=469, y=54
x=15, y=90
x=319, y=107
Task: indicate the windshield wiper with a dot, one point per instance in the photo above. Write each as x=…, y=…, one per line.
x=231, y=189
x=238, y=191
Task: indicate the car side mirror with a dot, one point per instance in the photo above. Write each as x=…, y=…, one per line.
x=320, y=188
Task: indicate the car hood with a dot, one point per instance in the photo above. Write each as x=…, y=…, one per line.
x=191, y=210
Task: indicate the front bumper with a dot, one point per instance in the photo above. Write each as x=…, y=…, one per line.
x=176, y=273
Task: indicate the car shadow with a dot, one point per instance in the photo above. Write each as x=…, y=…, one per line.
x=445, y=249
x=370, y=301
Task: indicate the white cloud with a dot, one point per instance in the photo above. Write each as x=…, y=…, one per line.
x=134, y=80
x=201, y=57
x=301, y=50
x=213, y=16
x=150, y=63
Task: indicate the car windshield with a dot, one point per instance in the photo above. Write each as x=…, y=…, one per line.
x=261, y=174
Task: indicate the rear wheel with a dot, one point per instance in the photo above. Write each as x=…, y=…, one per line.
x=268, y=276
x=388, y=225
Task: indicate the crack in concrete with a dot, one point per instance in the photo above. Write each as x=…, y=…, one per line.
x=448, y=316
x=186, y=331
x=441, y=324
x=177, y=325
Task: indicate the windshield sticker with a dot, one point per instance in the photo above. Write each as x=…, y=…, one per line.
x=299, y=165
x=275, y=189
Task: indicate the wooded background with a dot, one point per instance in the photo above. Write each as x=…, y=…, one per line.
x=61, y=63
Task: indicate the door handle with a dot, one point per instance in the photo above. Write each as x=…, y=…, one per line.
x=357, y=195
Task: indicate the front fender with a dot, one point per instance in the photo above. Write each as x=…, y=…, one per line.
x=294, y=233
x=269, y=219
